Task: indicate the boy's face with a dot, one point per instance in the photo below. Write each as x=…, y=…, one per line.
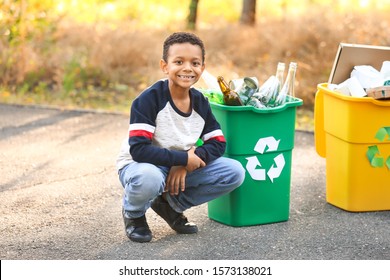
x=184, y=66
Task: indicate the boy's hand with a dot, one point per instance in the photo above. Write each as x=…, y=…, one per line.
x=176, y=180
x=194, y=162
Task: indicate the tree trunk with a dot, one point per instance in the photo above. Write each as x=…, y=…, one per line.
x=191, y=20
x=248, y=15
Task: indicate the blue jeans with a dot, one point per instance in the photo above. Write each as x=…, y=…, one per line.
x=143, y=182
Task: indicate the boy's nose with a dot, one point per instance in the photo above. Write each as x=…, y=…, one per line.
x=187, y=66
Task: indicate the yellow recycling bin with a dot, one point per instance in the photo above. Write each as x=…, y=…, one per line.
x=353, y=134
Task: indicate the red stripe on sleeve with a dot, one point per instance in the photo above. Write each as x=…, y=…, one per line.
x=219, y=138
x=144, y=133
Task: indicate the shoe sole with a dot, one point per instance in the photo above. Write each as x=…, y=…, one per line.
x=140, y=240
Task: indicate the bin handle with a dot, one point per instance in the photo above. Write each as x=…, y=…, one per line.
x=319, y=128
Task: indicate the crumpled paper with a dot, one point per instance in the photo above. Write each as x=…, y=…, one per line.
x=363, y=77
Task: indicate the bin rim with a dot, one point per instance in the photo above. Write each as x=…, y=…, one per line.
x=293, y=102
x=368, y=99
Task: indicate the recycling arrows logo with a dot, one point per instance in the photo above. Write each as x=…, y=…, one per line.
x=263, y=145
x=373, y=154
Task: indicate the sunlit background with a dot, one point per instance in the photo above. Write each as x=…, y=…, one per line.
x=166, y=12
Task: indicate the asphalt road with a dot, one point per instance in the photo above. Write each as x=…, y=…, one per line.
x=60, y=198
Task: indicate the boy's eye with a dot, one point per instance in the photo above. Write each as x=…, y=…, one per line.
x=194, y=63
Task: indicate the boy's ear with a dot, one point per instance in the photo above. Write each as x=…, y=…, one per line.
x=203, y=66
x=163, y=66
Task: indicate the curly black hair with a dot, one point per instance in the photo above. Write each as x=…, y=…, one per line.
x=180, y=38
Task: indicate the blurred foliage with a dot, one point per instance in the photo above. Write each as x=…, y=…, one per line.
x=102, y=53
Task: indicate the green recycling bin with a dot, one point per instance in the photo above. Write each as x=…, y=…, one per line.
x=262, y=141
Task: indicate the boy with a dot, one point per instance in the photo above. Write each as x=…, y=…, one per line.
x=158, y=165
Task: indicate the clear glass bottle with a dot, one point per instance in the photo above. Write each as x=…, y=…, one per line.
x=288, y=86
x=230, y=97
x=280, y=79
x=280, y=74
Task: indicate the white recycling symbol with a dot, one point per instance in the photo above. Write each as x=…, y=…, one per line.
x=275, y=170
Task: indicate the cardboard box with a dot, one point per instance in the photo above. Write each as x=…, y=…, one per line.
x=379, y=92
x=350, y=55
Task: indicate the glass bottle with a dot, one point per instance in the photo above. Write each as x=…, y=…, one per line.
x=280, y=79
x=288, y=86
x=230, y=97
x=280, y=73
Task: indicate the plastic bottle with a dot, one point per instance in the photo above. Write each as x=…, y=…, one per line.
x=213, y=95
x=265, y=93
x=230, y=97
x=253, y=101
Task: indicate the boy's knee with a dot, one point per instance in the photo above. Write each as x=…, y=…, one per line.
x=143, y=188
x=237, y=172
x=146, y=181
x=149, y=182
x=240, y=173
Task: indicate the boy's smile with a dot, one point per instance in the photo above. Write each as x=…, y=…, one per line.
x=186, y=77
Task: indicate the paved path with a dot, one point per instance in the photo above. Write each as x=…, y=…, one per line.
x=60, y=199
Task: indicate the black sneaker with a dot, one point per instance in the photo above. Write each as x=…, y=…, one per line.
x=177, y=221
x=137, y=229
